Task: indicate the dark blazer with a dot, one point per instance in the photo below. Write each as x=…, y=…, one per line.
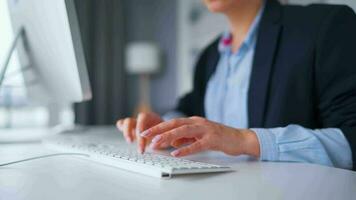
x=304, y=70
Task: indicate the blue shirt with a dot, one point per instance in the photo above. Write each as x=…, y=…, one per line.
x=226, y=102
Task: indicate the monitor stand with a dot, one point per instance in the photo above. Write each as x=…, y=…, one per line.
x=12, y=49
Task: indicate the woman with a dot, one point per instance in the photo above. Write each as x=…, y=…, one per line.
x=280, y=85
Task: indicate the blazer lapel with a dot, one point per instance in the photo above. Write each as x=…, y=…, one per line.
x=266, y=47
x=213, y=59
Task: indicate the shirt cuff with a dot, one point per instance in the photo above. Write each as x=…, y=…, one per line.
x=268, y=145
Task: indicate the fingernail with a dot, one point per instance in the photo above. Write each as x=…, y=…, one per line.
x=128, y=140
x=175, y=153
x=152, y=145
x=156, y=139
x=144, y=133
x=140, y=150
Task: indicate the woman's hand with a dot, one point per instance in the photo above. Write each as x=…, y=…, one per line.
x=131, y=127
x=201, y=134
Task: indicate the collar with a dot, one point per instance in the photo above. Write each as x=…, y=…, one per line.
x=226, y=38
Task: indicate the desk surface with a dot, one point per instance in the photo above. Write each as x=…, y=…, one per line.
x=72, y=178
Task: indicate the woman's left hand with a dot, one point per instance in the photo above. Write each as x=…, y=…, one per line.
x=201, y=134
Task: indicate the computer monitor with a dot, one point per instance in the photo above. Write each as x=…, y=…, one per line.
x=50, y=50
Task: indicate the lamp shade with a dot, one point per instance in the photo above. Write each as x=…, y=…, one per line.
x=142, y=58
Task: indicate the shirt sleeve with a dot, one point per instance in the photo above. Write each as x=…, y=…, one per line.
x=295, y=143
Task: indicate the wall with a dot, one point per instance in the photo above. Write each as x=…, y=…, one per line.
x=304, y=2
x=351, y=3
x=154, y=21
x=197, y=28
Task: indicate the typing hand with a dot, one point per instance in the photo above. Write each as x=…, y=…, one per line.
x=132, y=127
x=199, y=134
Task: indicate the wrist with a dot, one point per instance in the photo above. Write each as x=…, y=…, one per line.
x=241, y=141
x=250, y=145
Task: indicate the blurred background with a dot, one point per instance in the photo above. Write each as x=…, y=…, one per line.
x=180, y=30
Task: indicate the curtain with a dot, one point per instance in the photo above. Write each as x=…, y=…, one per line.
x=101, y=24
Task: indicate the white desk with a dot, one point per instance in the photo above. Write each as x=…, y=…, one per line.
x=72, y=178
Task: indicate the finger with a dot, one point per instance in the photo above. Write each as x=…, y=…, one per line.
x=142, y=125
x=185, y=131
x=166, y=126
x=183, y=141
x=196, y=147
x=142, y=122
x=127, y=129
x=133, y=132
x=119, y=124
x=132, y=129
x=141, y=144
x=176, y=144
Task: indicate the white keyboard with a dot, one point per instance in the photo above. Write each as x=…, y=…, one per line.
x=148, y=163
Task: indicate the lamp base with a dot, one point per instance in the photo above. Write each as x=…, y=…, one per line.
x=144, y=89
x=142, y=107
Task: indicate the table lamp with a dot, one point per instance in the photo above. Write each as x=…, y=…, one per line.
x=143, y=59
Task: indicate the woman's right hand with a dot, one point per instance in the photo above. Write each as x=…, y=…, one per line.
x=132, y=127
